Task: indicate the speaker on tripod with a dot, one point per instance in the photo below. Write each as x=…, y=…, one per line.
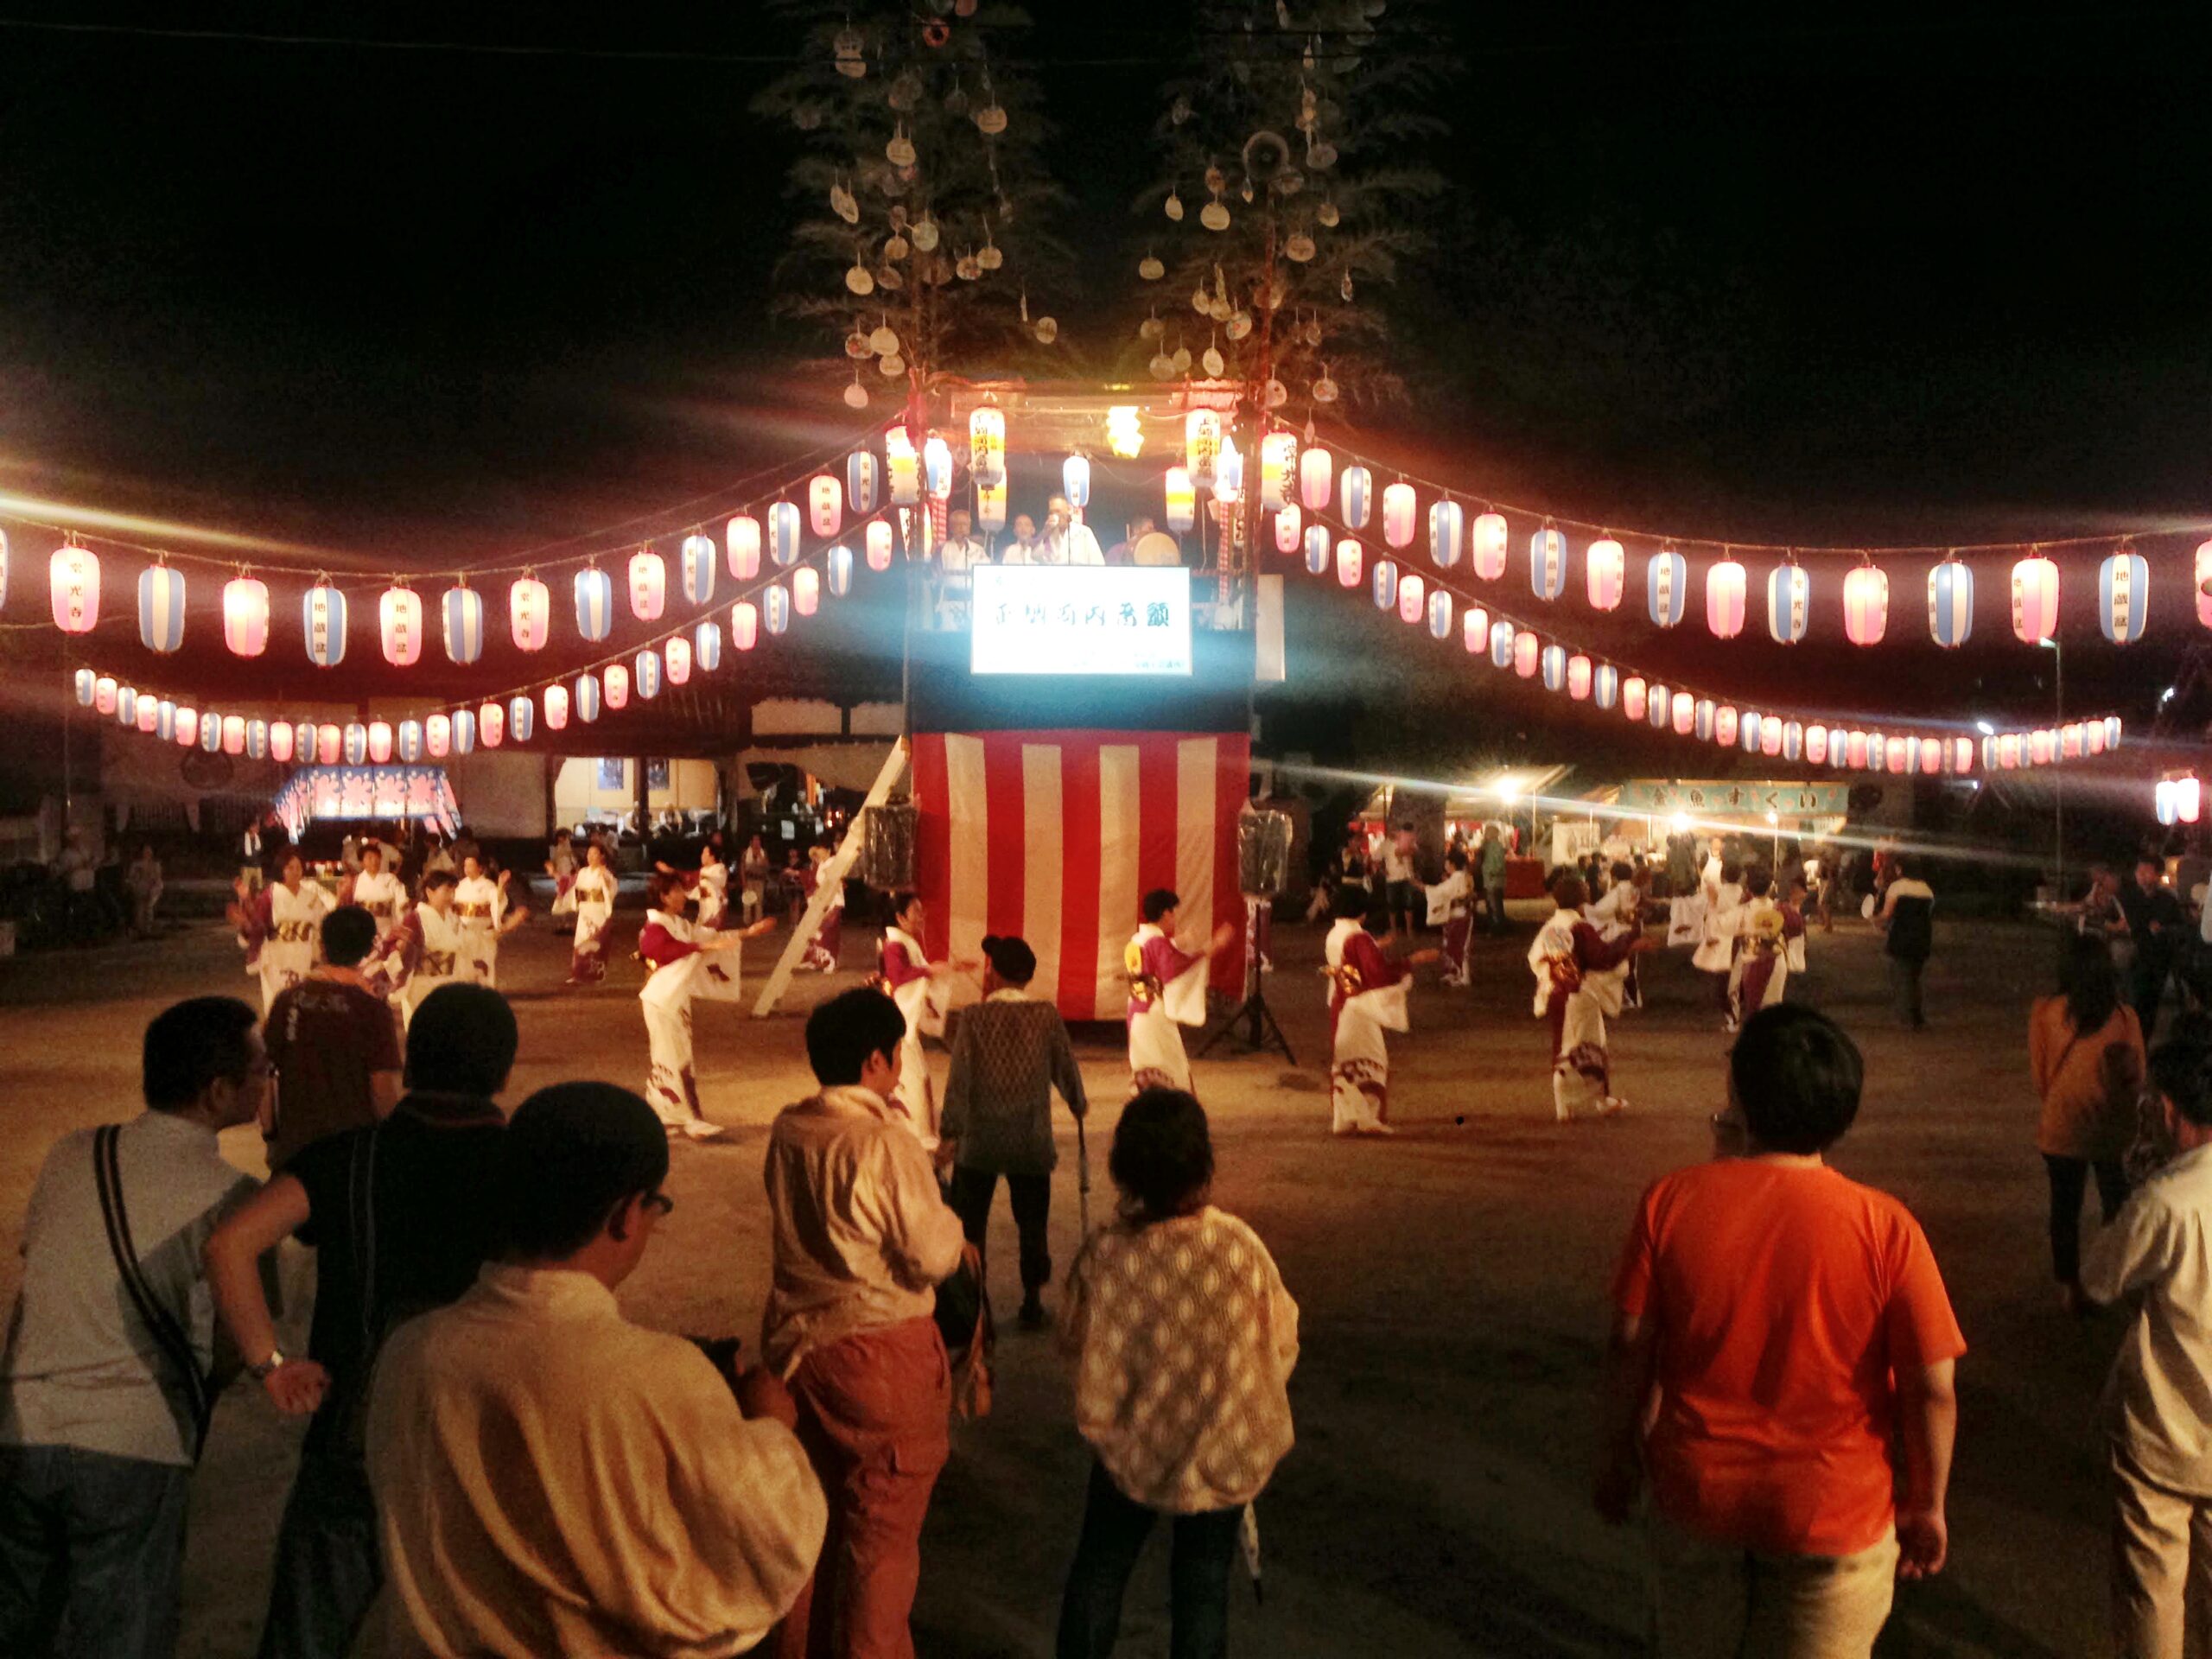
x=1262, y=871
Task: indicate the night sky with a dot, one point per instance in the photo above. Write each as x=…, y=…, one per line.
x=1898, y=273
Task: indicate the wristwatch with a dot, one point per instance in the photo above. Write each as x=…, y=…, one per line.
x=261, y=1373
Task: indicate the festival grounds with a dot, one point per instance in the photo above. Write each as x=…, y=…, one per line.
x=1451, y=1283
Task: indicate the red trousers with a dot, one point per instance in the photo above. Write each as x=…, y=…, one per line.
x=875, y=1415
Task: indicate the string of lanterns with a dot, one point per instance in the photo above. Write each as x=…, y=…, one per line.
x=2178, y=799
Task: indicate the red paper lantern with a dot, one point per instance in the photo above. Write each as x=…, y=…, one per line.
x=491, y=725
x=1349, y=561
x=233, y=733
x=2035, y=599
x=1398, y=514
x=1578, y=677
x=437, y=735
x=1632, y=696
x=1865, y=606
x=1489, y=544
x=556, y=708
x=1413, y=600
x=1685, y=714
x=616, y=685
x=399, y=615
x=825, y=504
x=742, y=539
x=280, y=741
x=1289, y=528
x=187, y=726
x=73, y=575
x=879, y=545
x=1724, y=598
x=648, y=585
x=1474, y=628
x=380, y=741
x=806, y=590
x=1855, y=749
x=329, y=744
x=1528, y=650
x=1725, y=719
x=744, y=625
x=1605, y=571
x=1317, y=484
x=245, y=615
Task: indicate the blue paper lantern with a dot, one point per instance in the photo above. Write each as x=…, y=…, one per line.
x=1552, y=665
x=2124, y=596
x=839, y=567
x=707, y=647
x=1789, y=603
x=211, y=731
x=463, y=728
x=522, y=718
x=1440, y=615
x=1356, y=496
x=647, y=674
x=1702, y=726
x=1547, y=563
x=1075, y=480
x=462, y=610
x=356, y=743
x=937, y=467
x=696, y=561
x=588, y=698
x=861, y=477
x=1747, y=732
x=1447, y=526
x=322, y=623
x=1667, y=586
x=1658, y=707
x=1950, y=603
x=165, y=722
x=126, y=706
x=595, y=603
x=161, y=608
x=256, y=740
x=1793, y=740
x=1385, y=584
x=87, y=687
x=776, y=607
x=407, y=741
x=2111, y=733
x=1501, y=644
x=1605, y=686
x=1319, y=550
x=784, y=531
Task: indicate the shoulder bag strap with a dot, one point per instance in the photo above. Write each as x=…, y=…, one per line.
x=158, y=1320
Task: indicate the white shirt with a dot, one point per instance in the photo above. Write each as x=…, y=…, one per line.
x=552, y=1479
x=2158, y=1401
x=1074, y=545
x=957, y=557
x=80, y=1369
x=1397, y=863
x=381, y=896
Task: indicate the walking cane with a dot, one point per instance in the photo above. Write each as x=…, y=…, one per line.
x=1082, y=1178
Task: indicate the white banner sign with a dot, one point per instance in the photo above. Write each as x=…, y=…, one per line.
x=1081, y=620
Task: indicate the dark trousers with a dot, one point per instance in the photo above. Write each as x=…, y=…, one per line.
x=2146, y=989
x=92, y=1554
x=2069, y=1178
x=1904, y=989
x=973, y=1190
x=1494, y=901
x=327, y=1573
x=1113, y=1531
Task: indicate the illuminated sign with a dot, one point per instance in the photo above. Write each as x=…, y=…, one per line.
x=1081, y=620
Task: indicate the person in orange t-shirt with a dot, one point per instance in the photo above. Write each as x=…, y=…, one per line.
x=1777, y=1328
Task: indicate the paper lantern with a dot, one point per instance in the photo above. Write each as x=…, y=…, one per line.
x=1316, y=478
x=1793, y=740
x=675, y=656
x=2162, y=800
x=595, y=605
x=1789, y=603
x=904, y=467
x=521, y=714
x=493, y=719
x=462, y=612
x=1704, y=714
x=1439, y=614
x=1289, y=526
x=1182, y=499
x=784, y=533
x=2069, y=742
x=2008, y=751
x=1349, y=556
x=2042, y=747
x=1770, y=736
x=86, y=684
x=1528, y=653
x=284, y=741
x=245, y=615
x=1931, y=755
x=126, y=706
x=1685, y=714
x=1989, y=754
x=696, y=560
x=1201, y=446
x=161, y=608
x=1413, y=600
x=1605, y=569
x=183, y=726
x=742, y=540
x=743, y=625
x=407, y=741
x=1547, y=563
x=1446, y=527
x=355, y=741
x=257, y=736
x=1902, y=753
x=3, y=569
x=73, y=577
x=1634, y=691
x=104, y=694
x=529, y=613
x=806, y=590
x=556, y=699
x=1865, y=605
x=1950, y=603
x=1816, y=745
x=879, y=545
x=380, y=740
x=1747, y=731
x=2111, y=731
x=1384, y=584
x=777, y=607
x=399, y=614
x=1228, y=475
x=937, y=469
x=1666, y=586
x=2035, y=599
x=615, y=689
x=1855, y=751
x=1501, y=644
x=1398, y=514
x=2203, y=582
x=1657, y=708
x=825, y=505
x=1726, y=725
x=990, y=509
x=1474, y=629
x=464, y=731
x=1578, y=677
x=987, y=446
x=648, y=585
x=2093, y=737
x=164, y=724
x=837, y=565
x=2188, y=799
x=1551, y=667
x=437, y=734
x=1605, y=687
x=1075, y=481
x=1724, y=598
x=2124, y=596
x=591, y=696
x=1355, y=496
x=211, y=732
x=1278, y=456
x=1489, y=542
x=861, y=480
x=308, y=741
x=1319, y=551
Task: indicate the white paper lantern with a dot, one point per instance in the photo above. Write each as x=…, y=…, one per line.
x=1399, y=509
x=1724, y=598
x=529, y=613
x=399, y=614
x=648, y=585
x=2035, y=599
x=742, y=538
x=825, y=505
x=1316, y=478
x=987, y=446
x=1605, y=570
x=1491, y=535
x=74, y=576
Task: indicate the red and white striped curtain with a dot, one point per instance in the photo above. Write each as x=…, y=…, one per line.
x=1057, y=836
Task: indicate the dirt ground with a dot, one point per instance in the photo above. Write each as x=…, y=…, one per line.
x=1451, y=1282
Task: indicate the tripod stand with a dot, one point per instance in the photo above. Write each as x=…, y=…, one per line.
x=1261, y=1031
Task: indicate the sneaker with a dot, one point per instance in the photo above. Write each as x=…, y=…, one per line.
x=1032, y=1316
x=700, y=1129
x=1611, y=1106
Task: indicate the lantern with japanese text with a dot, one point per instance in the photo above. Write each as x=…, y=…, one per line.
x=529, y=613
x=987, y=446
x=648, y=585
x=1075, y=481
x=1685, y=714
x=1355, y=496
x=1182, y=499
x=1350, y=558
x=126, y=705
x=380, y=740
x=1547, y=563
x=1865, y=605
x=1439, y=614
x=1551, y=668
x=86, y=684
x=1446, y=527
x=775, y=608
x=1278, y=459
x=245, y=615
x=1413, y=599
x=256, y=740
x=1578, y=677
x=211, y=732
x=990, y=509
x=1705, y=714
x=937, y=469
x=161, y=608
x=838, y=568
x=1723, y=597
x=595, y=605
x=744, y=625
x=590, y=697
x=878, y=541
x=74, y=580
x=1657, y=706
x=104, y=694
x=1201, y=446
x=1474, y=629
x=399, y=616
x=1399, y=508
x=1789, y=602
x=614, y=689
x=675, y=656
x=1501, y=644
x=696, y=560
x=354, y=743
x=463, y=615
x=492, y=720
x=904, y=468
x=464, y=731
x=437, y=735
x=2035, y=599
x=825, y=505
x=556, y=699
x=706, y=645
x=741, y=543
x=1319, y=551
x=407, y=741
x=1950, y=603
x=1725, y=722
x=1528, y=653
x=1605, y=573
x=2124, y=596
x=1490, y=537
x=2162, y=800
x=1666, y=586
x=2188, y=799
x=1289, y=527
x=861, y=480
x=1793, y=740
x=1634, y=690
x=522, y=721
x=1605, y=686
x=806, y=590
x=1316, y=478
x=784, y=532
x=1385, y=584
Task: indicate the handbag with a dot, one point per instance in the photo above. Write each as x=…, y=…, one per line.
x=168, y=1334
x=964, y=1319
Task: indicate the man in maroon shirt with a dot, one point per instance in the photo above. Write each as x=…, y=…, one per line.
x=334, y=1045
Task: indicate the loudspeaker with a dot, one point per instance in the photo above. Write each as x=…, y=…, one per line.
x=1262, y=852
x=886, y=855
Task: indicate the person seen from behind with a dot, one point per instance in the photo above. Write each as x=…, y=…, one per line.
x=2085, y=1052
x=334, y=1043
x=1779, y=1374
x=1907, y=917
